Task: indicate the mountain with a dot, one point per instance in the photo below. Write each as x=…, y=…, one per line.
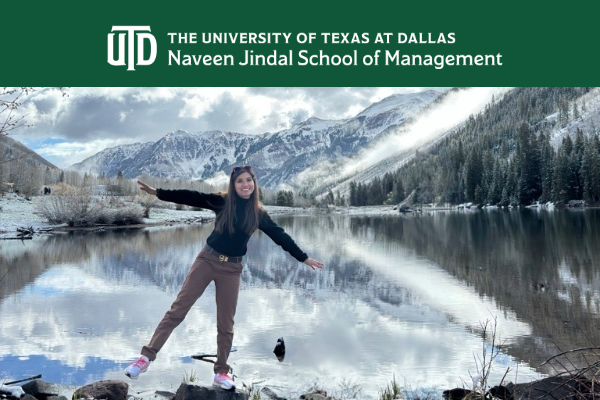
x=10, y=149
x=278, y=157
x=529, y=146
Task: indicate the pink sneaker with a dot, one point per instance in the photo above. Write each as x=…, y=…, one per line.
x=224, y=381
x=137, y=367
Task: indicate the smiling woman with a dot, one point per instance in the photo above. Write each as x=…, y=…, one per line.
x=238, y=216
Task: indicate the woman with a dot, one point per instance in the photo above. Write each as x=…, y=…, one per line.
x=238, y=215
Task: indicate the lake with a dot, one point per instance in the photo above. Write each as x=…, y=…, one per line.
x=402, y=297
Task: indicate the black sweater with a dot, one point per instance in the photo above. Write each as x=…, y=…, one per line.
x=232, y=245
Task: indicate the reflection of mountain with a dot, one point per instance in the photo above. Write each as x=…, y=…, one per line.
x=543, y=266
x=541, y=269
x=490, y=263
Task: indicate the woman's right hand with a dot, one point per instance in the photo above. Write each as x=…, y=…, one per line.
x=147, y=188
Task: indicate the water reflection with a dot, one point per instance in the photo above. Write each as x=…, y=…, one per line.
x=400, y=295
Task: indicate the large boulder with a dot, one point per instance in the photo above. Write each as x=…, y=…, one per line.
x=105, y=390
x=188, y=391
x=41, y=389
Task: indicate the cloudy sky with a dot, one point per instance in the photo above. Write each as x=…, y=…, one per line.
x=68, y=129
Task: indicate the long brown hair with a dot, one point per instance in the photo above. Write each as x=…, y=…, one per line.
x=226, y=218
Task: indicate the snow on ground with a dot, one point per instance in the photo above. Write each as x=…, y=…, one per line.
x=18, y=212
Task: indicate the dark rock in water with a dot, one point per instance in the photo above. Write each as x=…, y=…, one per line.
x=280, y=349
x=317, y=395
x=552, y=388
x=501, y=392
x=187, y=391
x=456, y=394
x=41, y=389
x=107, y=389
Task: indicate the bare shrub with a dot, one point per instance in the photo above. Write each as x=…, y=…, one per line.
x=127, y=215
x=73, y=207
x=148, y=202
x=76, y=207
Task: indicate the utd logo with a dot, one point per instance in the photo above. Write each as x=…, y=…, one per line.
x=143, y=37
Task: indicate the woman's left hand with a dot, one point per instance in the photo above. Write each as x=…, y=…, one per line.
x=313, y=263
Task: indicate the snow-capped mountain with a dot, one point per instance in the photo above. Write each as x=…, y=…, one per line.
x=278, y=157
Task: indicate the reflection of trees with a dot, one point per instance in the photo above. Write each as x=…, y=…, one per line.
x=160, y=256
x=517, y=258
x=506, y=256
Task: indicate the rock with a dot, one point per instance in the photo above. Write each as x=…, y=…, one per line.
x=13, y=391
x=280, y=349
x=456, y=394
x=41, y=389
x=318, y=395
x=57, y=398
x=28, y=397
x=552, y=388
x=166, y=395
x=107, y=389
x=188, y=391
x=268, y=394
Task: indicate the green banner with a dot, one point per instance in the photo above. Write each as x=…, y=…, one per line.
x=300, y=43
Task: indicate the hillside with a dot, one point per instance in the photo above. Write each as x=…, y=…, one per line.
x=531, y=145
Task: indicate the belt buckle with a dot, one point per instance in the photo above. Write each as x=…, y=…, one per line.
x=223, y=258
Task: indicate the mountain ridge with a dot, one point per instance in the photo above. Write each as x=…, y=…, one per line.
x=278, y=157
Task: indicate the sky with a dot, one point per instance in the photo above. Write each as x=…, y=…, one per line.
x=66, y=129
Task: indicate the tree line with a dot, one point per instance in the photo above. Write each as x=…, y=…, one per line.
x=502, y=156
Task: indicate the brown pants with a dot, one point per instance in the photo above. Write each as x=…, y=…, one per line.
x=205, y=269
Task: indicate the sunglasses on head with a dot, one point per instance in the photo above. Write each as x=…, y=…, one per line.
x=237, y=170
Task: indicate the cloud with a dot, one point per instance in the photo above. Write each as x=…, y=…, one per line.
x=453, y=110
x=88, y=117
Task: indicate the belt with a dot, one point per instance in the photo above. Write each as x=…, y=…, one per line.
x=221, y=256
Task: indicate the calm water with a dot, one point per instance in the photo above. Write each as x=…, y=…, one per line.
x=402, y=296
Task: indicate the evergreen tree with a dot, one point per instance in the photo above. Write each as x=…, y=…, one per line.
x=281, y=199
x=529, y=179
x=487, y=178
x=564, y=177
x=397, y=192
x=508, y=195
x=289, y=198
x=374, y=192
x=387, y=184
x=329, y=199
x=546, y=166
x=495, y=192
x=577, y=160
x=353, y=195
x=473, y=174
x=590, y=172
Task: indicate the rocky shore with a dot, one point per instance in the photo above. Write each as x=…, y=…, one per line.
x=119, y=390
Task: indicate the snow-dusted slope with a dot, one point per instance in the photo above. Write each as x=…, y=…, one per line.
x=278, y=157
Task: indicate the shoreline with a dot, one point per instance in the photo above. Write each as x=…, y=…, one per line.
x=19, y=219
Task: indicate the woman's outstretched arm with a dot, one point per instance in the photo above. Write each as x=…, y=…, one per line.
x=313, y=263
x=147, y=188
